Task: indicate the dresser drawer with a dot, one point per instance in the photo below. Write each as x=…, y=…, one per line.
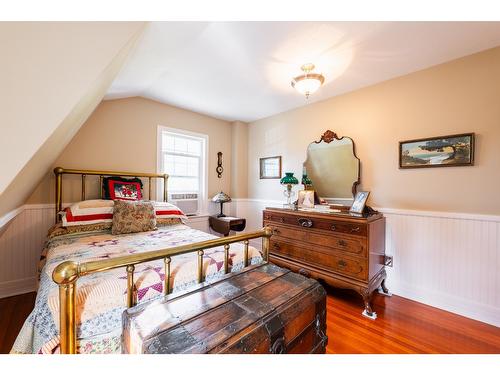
x=350, y=267
x=327, y=224
x=351, y=245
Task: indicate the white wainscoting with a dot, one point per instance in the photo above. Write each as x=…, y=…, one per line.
x=21, y=241
x=20, y=246
x=447, y=260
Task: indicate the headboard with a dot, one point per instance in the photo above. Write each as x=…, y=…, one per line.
x=59, y=172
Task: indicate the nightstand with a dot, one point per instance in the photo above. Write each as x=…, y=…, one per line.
x=225, y=224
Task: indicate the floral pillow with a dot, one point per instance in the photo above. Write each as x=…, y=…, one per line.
x=133, y=216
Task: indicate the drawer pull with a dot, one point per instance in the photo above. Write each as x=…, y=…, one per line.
x=304, y=272
x=342, y=243
x=341, y=263
x=334, y=227
x=282, y=219
x=306, y=223
x=355, y=229
x=276, y=246
x=276, y=231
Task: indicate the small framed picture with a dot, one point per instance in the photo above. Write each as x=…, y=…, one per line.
x=270, y=167
x=306, y=199
x=359, y=202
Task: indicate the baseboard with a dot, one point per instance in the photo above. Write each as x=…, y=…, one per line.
x=15, y=287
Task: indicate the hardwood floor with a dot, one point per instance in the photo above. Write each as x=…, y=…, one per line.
x=13, y=312
x=403, y=326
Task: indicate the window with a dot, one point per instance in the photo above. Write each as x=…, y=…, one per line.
x=182, y=155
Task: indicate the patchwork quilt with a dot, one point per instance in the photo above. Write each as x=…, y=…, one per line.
x=101, y=297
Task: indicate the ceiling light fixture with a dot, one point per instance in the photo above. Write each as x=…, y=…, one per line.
x=308, y=82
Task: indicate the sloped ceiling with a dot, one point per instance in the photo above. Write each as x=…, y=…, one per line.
x=53, y=76
x=242, y=70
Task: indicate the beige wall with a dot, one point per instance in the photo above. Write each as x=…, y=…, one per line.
x=456, y=97
x=53, y=76
x=239, y=163
x=122, y=134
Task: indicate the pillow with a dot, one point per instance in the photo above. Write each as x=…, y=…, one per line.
x=93, y=211
x=166, y=210
x=59, y=230
x=132, y=217
x=122, y=188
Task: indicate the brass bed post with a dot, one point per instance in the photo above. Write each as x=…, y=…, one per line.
x=245, y=243
x=200, y=265
x=166, y=287
x=149, y=187
x=83, y=186
x=65, y=275
x=165, y=179
x=265, y=243
x=58, y=198
x=226, y=258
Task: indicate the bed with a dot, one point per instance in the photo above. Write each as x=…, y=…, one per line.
x=88, y=278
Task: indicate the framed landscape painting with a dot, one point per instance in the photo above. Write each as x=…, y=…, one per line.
x=446, y=151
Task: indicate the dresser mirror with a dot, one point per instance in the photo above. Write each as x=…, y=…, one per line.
x=333, y=168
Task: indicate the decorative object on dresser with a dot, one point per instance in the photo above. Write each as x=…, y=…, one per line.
x=289, y=180
x=270, y=167
x=327, y=242
x=221, y=198
x=359, y=202
x=219, y=168
x=226, y=224
x=306, y=199
x=445, y=151
x=263, y=309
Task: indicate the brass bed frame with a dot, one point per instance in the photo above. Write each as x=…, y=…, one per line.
x=67, y=273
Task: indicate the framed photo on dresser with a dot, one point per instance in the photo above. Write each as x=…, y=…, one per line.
x=359, y=202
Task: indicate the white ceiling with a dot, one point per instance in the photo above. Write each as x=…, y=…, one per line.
x=242, y=70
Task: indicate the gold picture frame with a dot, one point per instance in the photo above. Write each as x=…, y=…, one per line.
x=270, y=167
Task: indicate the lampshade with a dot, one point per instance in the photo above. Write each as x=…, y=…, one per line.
x=221, y=198
x=308, y=83
x=289, y=179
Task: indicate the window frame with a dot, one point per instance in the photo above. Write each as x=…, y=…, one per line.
x=203, y=194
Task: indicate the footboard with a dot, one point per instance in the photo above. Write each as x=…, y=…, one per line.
x=67, y=274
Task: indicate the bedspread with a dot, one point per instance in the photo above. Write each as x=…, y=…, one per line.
x=101, y=297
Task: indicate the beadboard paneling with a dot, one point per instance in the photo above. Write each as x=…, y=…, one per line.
x=20, y=245
x=446, y=260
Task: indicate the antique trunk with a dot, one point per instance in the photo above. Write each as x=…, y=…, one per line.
x=262, y=309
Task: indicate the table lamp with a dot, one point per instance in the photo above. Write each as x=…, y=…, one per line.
x=221, y=198
x=289, y=180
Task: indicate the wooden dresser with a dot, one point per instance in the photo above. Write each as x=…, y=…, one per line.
x=342, y=250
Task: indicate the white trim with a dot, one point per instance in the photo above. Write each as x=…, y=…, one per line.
x=203, y=195
x=440, y=214
x=15, y=287
x=470, y=309
x=5, y=219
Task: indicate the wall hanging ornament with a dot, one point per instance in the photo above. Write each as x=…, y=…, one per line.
x=219, y=168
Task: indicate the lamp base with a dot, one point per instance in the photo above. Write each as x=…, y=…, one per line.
x=221, y=215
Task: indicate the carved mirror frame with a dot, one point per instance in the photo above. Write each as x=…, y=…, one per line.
x=328, y=137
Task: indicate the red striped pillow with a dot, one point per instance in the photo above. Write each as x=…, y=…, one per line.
x=165, y=210
x=88, y=212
